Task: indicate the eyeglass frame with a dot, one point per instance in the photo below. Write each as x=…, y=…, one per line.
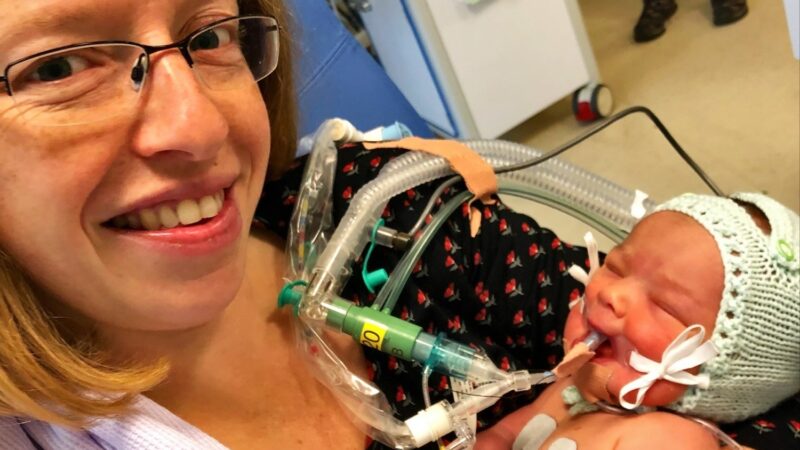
x=182, y=45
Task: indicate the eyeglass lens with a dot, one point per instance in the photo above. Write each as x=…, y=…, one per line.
x=92, y=82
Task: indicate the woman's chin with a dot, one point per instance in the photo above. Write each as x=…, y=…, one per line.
x=174, y=306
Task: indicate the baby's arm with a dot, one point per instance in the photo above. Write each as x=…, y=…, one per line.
x=498, y=437
x=665, y=431
x=501, y=436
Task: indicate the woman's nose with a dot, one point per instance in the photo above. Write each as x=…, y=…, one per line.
x=176, y=116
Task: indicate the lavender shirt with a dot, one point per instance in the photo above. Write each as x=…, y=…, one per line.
x=149, y=426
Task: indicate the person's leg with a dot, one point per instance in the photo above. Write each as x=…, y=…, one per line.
x=651, y=22
x=728, y=11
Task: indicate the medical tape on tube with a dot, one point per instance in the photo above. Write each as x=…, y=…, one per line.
x=573, y=360
x=593, y=379
x=477, y=173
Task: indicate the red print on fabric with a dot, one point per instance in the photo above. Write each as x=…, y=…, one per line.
x=511, y=285
x=545, y=308
x=503, y=227
x=451, y=293
x=443, y=384
x=455, y=325
x=350, y=168
x=512, y=261
x=521, y=319
x=763, y=426
x=422, y=299
x=794, y=427
x=543, y=279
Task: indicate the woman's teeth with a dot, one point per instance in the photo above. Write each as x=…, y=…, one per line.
x=185, y=212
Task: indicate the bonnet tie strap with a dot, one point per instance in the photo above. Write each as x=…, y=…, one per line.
x=683, y=353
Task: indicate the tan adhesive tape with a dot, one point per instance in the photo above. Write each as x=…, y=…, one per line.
x=477, y=173
x=574, y=360
x=592, y=381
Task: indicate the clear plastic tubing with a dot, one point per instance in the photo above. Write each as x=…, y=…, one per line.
x=412, y=169
x=568, y=181
x=593, y=340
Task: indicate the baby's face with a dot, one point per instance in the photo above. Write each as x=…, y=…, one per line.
x=665, y=276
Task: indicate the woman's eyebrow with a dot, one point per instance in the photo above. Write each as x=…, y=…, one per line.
x=53, y=19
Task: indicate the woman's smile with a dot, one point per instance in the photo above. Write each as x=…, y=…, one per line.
x=205, y=236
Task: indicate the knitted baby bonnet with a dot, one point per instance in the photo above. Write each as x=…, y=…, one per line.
x=757, y=330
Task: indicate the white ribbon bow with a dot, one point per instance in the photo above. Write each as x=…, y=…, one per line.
x=579, y=274
x=683, y=353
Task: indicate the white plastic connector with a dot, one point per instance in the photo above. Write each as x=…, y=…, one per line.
x=521, y=380
x=430, y=424
x=344, y=131
x=373, y=135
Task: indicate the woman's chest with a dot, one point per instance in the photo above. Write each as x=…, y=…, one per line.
x=299, y=419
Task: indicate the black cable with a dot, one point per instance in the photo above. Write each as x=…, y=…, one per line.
x=599, y=127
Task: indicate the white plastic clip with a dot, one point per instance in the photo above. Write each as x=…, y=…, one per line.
x=637, y=207
x=579, y=274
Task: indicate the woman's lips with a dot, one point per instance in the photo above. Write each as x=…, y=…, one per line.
x=202, y=238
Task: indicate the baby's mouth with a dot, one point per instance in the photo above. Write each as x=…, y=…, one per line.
x=605, y=350
x=172, y=214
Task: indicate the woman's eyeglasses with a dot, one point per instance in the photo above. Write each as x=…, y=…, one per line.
x=89, y=82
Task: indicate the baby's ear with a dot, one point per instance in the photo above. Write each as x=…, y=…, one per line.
x=757, y=215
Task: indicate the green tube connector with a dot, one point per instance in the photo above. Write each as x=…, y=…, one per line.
x=288, y=296
x=373, y=328
x=392, y=335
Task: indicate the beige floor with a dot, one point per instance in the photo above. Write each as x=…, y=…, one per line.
x=730, y=95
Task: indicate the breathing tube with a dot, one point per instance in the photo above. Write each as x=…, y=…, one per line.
x=321, y=260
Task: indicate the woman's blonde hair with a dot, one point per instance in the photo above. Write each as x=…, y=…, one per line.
x=48, y=375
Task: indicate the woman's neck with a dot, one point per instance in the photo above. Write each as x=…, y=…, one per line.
x=225, y=360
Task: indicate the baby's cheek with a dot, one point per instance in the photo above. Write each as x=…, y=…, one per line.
x=661, y=393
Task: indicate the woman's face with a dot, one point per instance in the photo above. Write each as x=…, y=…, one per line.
x=666, y=276
x=183, y=149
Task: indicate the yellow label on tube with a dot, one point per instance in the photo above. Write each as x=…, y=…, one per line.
x=372, y=335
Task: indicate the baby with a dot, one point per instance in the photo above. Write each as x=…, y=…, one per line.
x=700, y=306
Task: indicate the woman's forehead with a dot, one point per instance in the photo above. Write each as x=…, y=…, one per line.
x=29, y=19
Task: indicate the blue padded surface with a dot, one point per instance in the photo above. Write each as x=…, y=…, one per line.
x=336, y=77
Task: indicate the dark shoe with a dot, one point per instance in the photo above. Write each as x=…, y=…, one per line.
x=651, y=22
x=728, y=11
